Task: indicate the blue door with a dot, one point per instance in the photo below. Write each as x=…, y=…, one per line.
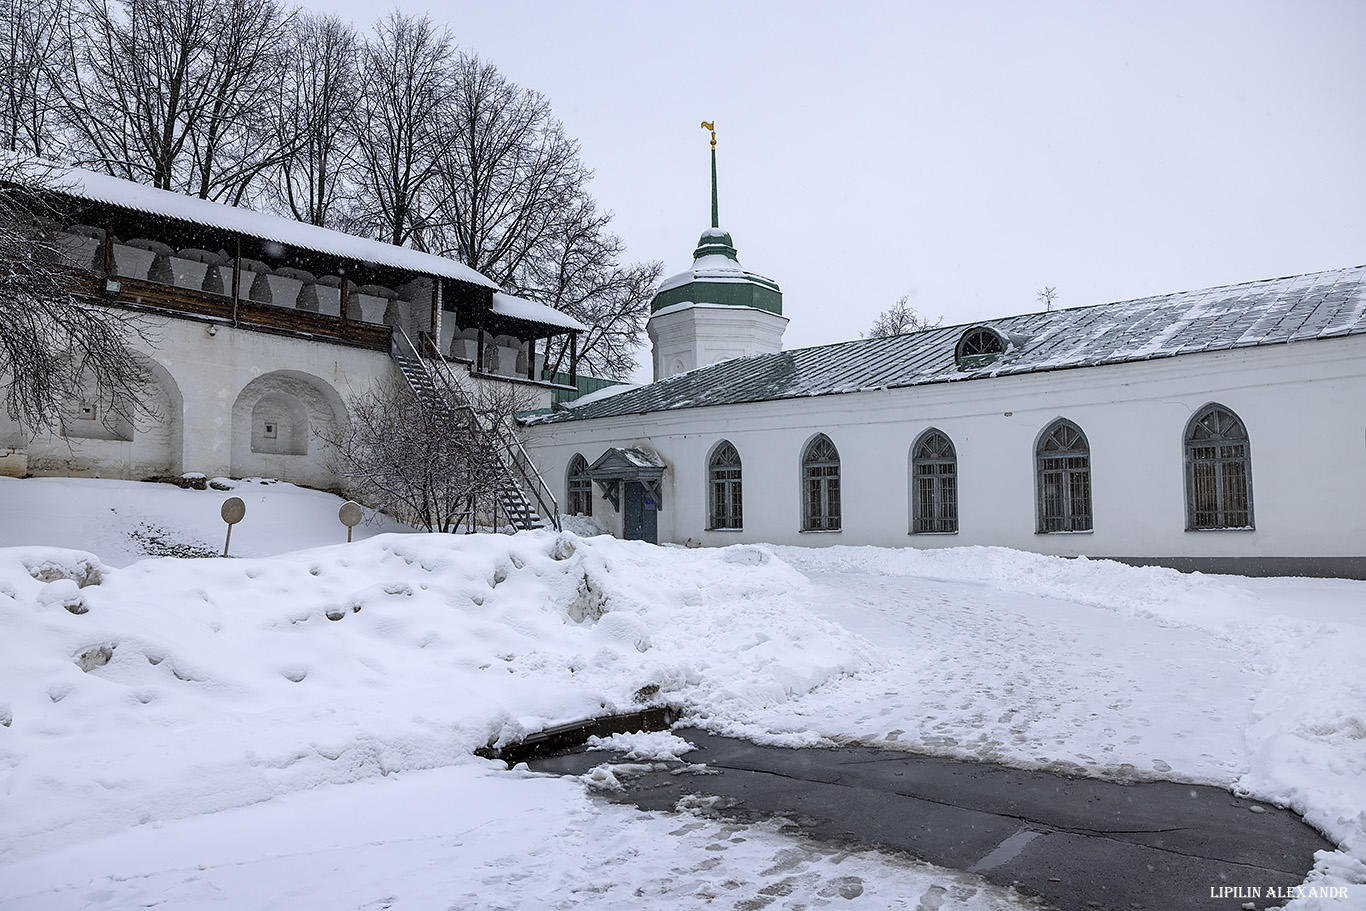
x=640, y=521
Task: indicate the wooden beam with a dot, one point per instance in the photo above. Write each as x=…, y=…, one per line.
x=479, y=342
x=436, y=313
x=573, y=358
x=108, y=245
x=531, y=358
x=344, y=289
x=236, y=275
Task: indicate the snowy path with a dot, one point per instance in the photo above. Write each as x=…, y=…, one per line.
x=976, y=671
x=302, y=725
x=473, y=840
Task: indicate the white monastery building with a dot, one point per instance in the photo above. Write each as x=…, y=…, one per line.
x=1219, y=430
x=256, y=330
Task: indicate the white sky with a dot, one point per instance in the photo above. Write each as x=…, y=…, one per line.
x=967, y=154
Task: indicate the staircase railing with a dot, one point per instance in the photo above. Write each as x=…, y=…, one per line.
x=509, y=456
x=510, y=446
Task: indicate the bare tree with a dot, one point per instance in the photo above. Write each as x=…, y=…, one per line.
x=318, y=141
x=1046, y=296
x=30, y=35
x=405, y=93
x=514, y=205
x=175, y=93
x=900, y=319
x=578, y=270
x=422, y=461
x=507, y=173
x=54, y=346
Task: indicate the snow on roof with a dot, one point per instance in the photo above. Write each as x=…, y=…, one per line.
x=642, y=458
x=1274, y=311
x=714, y=268
x=125, y=194
x=520, y=308
x=606, y=392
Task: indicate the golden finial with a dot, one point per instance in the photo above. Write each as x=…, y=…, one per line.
x=711, y=126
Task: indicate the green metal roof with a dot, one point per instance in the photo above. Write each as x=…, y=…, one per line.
x=716, y=277
x=1274, y=311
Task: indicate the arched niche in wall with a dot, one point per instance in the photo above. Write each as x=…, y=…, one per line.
x=279, y=424
x=154, y=428
x=277, y=419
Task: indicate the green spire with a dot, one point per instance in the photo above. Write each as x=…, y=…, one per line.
x=715, y=222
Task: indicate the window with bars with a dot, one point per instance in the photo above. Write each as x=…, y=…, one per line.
x=934, y=485
x=978, y=347
x=725, y=500
x=1064, y=468
x=579, y=501
x=820, y=486
x=1218, y=471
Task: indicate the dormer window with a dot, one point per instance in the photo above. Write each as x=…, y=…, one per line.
x=978, y=347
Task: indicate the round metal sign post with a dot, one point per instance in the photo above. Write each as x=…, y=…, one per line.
x=233, y=511
x=350, y=515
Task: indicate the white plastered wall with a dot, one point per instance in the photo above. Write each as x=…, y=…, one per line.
x=1301, y=404
x=687, y=336
x=209, y=386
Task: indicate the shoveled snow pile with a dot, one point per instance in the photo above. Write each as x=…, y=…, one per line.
x=271, y=730
x=180, y=687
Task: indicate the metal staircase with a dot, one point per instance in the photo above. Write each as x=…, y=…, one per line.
x=513, y=471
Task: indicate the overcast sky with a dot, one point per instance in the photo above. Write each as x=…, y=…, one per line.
x=967, y=154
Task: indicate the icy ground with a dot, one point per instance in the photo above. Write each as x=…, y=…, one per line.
x=295, y=727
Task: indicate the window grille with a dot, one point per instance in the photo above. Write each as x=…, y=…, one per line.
x=580, y=487
x=821, y=486
x=978, y=347
x=1218, y=471
x=1064, y=469
x=725, y=494
x=934, y=480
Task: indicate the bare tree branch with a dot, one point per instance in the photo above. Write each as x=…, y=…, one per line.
x=414, y=460
x=405, y=89
x=175, y=93
x=899, y=319
x=55, y=348
x=318, y=142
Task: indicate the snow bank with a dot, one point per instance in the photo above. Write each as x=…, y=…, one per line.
x=127, y=521
x=193, y=686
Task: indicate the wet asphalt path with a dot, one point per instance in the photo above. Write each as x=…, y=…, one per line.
x=1076, y=843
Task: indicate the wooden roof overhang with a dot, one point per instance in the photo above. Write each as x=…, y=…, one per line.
x=617, y=466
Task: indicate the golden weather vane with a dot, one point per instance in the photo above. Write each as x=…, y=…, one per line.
x=711, y=126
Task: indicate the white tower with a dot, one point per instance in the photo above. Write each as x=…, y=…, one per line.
x=716, y=310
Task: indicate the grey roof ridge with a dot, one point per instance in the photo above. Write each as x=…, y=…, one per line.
x=644, y=399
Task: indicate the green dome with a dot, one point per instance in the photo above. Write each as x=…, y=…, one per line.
x=716, y=277
x=715, y=242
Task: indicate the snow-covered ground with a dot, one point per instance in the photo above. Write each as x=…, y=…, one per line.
x=295, y=727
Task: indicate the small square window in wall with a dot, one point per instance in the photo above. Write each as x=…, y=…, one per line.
x=88, y=412
x=270, y=433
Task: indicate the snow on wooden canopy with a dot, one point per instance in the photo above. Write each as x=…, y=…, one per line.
x=124, y=194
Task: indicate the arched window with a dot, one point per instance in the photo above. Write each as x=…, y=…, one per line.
x=821, y=485
x=1218, y=471
x=723, y=488
x=1064, y=467
x=934, y=485
x=979, y=346
x=579, y=501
